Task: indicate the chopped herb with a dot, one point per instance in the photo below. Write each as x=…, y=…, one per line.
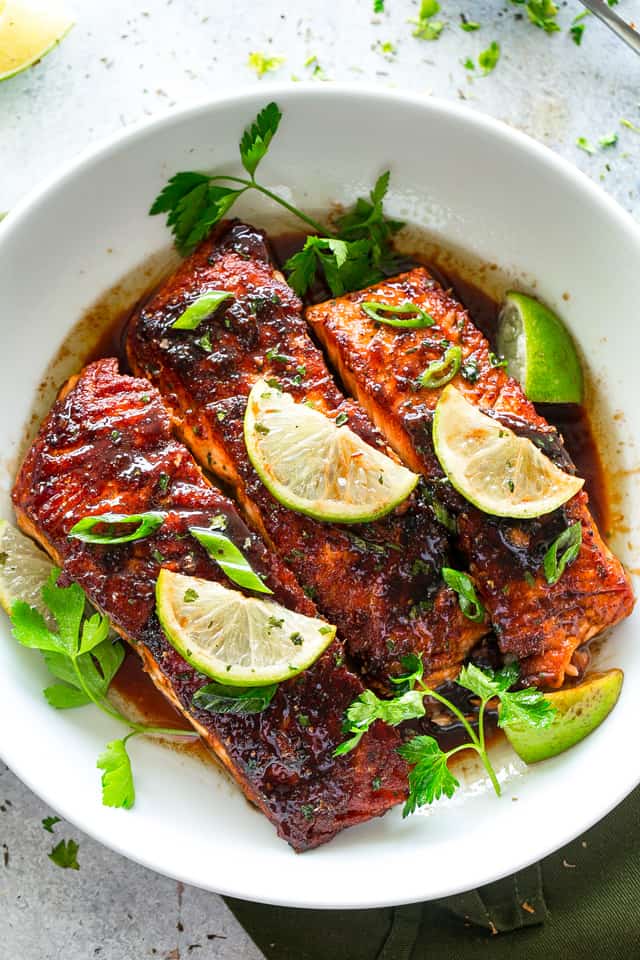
x=470, y=370
x=609, y=140
x=145, y=525
x=307, y=811
x=205, y=342
x=529, y=578
x=262, y=64
x=577, y=30
x=273, y=353
x=341, y=419
x=629, y=125
x=260, y=428
x=420, y=566
x=468, y=25
x=275, y=622
x=163, y=482
x=221, y=415
x=496, y=361
x=325, y=630
x=426, y=28
x=157, y=556
x=310, y=592
x=378, y=6
x=296, y=639
x=303, y=720
x=191, y=595
x=376, y=783
x=468, y=64
x=488, y=59
x=585, y=145
x=115, y=435
x=145, y=398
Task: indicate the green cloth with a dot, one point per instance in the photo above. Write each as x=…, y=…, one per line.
x=582, y=902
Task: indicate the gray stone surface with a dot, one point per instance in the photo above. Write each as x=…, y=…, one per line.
x=128, y=59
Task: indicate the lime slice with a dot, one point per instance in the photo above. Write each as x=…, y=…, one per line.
x=494, y=469
x=24, y=568
x=28, y=31
x=237, y=640
x=539, y=351
x=316, y=465
x=580, y=710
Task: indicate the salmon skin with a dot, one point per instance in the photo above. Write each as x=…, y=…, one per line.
x=107, y=447
x=541, y=624
x=379, y=582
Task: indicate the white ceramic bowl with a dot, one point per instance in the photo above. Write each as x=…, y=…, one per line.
x=478, y=185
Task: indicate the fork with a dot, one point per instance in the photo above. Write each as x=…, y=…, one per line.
x=620, y=27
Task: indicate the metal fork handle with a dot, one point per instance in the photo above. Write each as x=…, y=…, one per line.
x=603, y=11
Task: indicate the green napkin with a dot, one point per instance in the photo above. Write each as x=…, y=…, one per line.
x=583, y=901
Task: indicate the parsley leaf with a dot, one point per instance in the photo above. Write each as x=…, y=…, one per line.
x=346, y=265
x=528, y=707
x=430, y=778
x=368, y=708
x=117, y=780
x=258, y=136
x=65, y=855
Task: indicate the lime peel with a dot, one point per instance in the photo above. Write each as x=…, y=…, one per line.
x=539, y=351
x=235, y=639
x=497, y=471
x=319, y=466
x=28, y=31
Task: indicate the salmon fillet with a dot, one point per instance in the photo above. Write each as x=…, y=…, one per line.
x=107, y=446
x=379, y=582
x=542, y=625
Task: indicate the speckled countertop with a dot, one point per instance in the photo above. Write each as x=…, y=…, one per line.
x=129, y=59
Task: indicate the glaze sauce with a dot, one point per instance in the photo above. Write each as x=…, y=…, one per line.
x=135, y=687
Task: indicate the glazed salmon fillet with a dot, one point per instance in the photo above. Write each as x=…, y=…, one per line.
x=107, y=446
x=543, y=625
x=379, y=582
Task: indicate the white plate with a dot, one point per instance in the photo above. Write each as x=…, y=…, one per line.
x=477, y=184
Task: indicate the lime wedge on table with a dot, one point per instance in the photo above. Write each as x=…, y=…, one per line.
x=24, y=568
x=580, y=710
x=28, y=31
x=494, y=469
x=237, y=640
x=317, y=466
x=539, y=351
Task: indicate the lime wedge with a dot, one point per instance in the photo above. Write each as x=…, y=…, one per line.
x=580, y=710
x=316, y=465
x=24, y=568
x=494, y=469
x=28, y=31
x=539, y=351
x=237, y=640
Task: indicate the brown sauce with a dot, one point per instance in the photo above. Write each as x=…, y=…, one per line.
x=136, y=689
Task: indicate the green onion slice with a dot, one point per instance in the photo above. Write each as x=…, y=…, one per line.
x=442, y=371
x=467, y=596
x=230, y=560
x=569, y=541
x=206, y=304
x=115, y=527
x=404, y=315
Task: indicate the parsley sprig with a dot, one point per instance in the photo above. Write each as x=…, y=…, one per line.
x=84, y=657
x=430, y=776
x=356, y=254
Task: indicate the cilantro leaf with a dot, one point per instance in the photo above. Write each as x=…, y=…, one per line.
x=117, y=780
x=430, y=778
x=257, y=137
x=65, y=855
x=49, y=823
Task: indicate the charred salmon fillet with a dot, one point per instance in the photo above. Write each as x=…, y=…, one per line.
x=107, y=446
x=379, y=582
x=541, y=624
